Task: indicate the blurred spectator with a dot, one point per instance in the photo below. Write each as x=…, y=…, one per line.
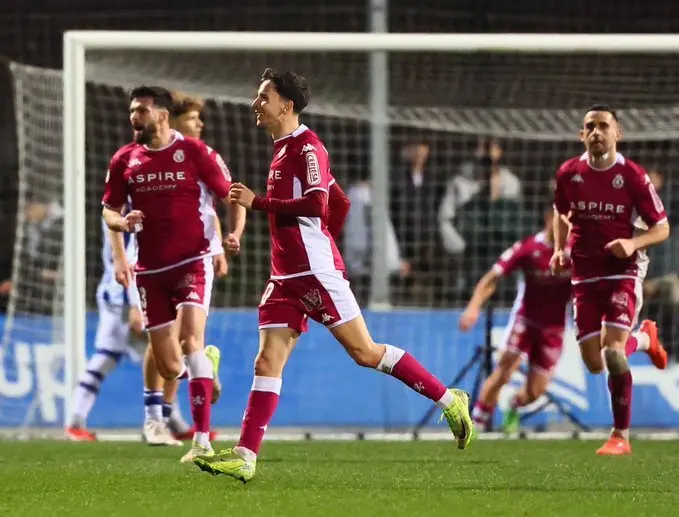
x=358, y=243
x=414, y=195
x=661, y=287
x=484, y=171
x=39, y=259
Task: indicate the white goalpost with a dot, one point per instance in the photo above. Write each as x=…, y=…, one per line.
x=647, y=118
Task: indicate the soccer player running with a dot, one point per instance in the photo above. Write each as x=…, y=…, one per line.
x=160, y=395
x=600, y=194
x=119, y=316
x=536, y=324
x=308, y=279
x=171, y=180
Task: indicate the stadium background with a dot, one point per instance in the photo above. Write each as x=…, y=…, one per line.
x=435, y=284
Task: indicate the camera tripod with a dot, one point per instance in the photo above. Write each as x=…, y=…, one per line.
x=483, y=360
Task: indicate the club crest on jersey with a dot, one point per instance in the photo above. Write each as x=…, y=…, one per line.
x=312, y=300
x=313, y=171
x=618, y=181
x=178, y=156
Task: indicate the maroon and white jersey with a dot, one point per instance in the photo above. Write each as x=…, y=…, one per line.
x=174, y=187
x=604, y=205
x=541, y=297
x=300, y=245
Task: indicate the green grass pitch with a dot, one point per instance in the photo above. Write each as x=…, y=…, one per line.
x=347, y=479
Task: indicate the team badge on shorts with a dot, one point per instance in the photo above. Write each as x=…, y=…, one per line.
x=312, y=300
x=178, y=156
x=620, y=299
x=187, y=280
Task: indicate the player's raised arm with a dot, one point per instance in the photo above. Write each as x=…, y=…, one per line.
x=486, y=287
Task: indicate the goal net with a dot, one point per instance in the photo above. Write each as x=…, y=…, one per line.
x=456, y=116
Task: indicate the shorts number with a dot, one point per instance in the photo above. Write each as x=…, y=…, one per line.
x=267, y=293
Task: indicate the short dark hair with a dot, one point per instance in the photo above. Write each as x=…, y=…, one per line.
x=603, y=107
x=290, y=86
x=161, y=96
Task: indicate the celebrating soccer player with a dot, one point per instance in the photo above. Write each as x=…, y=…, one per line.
x=536, y=325
x=601, y=193
x=308, y=279
x=160, y=395
x=171, y=180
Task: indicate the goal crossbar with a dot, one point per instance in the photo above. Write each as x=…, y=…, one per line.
x=78, y=43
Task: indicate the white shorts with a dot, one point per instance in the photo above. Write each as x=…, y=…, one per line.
x=324, y=297
x=113, y=329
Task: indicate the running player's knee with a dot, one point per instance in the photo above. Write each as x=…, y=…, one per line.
x=190, y=344
x=269, y=363
x=594, y=364
x=368, y=356
x=616, y=361
x=169, y=368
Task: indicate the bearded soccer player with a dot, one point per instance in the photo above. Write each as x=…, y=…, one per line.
x=600, y=194
x=160, y=395
x=308, y=279
x=536, y=325
x=172, y=181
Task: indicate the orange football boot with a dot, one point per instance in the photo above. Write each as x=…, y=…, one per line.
x=655, y=351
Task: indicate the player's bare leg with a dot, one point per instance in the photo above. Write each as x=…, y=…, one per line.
x=202, y=369
x=535, y=386
x=155, y=431
x=614, y=340
x=510, y=361
x=275, y=347
x=356, y=340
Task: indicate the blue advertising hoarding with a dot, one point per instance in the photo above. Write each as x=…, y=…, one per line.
x=322, y=387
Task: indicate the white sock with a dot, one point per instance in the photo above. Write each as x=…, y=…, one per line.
x=199, y=365
x=446, y=400
x=153, y=405
x=245, y=453
x=202, y=439
x=643, y=340
x=98, y=367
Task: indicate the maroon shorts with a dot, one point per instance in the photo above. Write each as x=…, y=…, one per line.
x=161, y=294
x=323, y=297
x=615, y=303
x=542, y=347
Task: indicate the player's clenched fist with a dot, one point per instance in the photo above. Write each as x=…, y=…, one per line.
x=133, y=221
x=621, y=248
x=241, y=195
x=232, y=244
